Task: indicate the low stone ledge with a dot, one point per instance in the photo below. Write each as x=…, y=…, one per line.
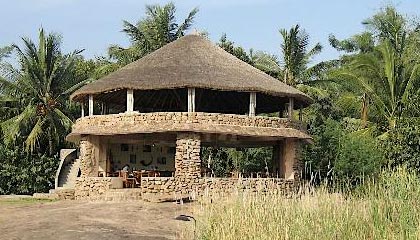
x=92, y=188
x=200, y=186
x=160, y=189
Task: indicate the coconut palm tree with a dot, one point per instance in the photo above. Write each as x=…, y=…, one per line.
x=157, y=29
x=296, y=56
x=383, y=52
x=38, y=91
x=386, y=80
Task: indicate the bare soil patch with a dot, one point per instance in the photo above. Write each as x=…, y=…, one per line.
x=91, y=220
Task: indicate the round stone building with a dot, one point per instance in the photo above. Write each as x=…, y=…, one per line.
x=155, y=114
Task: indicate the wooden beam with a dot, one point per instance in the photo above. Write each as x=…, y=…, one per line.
x=191, y=99
x=252, y=103
x=130, y=100
x=90, y=105
x=290, y=109
x=300, y=113
x=82, y=105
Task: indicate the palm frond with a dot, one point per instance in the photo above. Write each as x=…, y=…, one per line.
x=34, y=136
x=187, y=23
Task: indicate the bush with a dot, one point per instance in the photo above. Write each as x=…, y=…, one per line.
x=359, y=156
x=402, y=145
x=341, y=153
x=21, y=173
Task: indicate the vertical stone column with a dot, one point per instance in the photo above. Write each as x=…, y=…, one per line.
x=87, y=158
x=290, y=167
x=187, y=156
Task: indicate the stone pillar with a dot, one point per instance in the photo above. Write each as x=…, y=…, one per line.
x=187, y=156
x=87, y=158
x=289, y=168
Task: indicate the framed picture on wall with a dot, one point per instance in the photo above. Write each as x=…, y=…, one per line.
x=147, y=148
x=161, y=160
x=171, y=150
x=124, y=147
x=133, y=158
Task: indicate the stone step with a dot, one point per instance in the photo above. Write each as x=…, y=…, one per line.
x=68, y=176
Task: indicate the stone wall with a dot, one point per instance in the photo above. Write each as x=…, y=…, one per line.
x=93, y=188
x=135, y=122
x=103, y=188
x=202, y=186
x=187, y=156
x=87, y=159
x=298, y=165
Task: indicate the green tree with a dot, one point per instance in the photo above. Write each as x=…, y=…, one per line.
x=263, y=61
x=386, y=80
x=237, y=51
x=383, y=65
x=22, y=173
x=297, y=55
x=157, y=29
x=38, y=89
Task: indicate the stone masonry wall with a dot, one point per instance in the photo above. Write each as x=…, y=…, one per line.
x=101, y=188
x=187, y=161
x=87, y=162
x=93, y=188
x=202, y=186
x=187, y=156
x=298, y=166
x=136, y=122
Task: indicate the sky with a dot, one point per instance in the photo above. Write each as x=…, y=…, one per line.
x=93, y=25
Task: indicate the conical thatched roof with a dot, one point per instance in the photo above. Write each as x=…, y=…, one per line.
x=191, y=61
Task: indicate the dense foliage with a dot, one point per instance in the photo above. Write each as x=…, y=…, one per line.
x=402, y=147
x=21, y=173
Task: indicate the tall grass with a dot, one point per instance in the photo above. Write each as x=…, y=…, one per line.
x=387, y=208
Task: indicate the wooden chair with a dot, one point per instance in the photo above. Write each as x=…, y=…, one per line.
x=127, y=181
x=137, y=178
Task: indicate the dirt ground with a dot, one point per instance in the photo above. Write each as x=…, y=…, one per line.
x=92, y=220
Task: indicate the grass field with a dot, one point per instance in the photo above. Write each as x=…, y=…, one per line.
x=387, y=208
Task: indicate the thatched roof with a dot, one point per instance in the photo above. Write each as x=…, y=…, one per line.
x=191, y=61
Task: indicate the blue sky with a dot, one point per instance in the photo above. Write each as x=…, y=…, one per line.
x=95, y=24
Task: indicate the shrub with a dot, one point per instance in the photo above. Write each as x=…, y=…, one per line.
x=359, y=156
x=402, y=145
x=342, y=152
x=21, y=173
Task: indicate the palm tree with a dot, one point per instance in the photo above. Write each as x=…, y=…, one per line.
x=386, y=80
x=157, y=29
x=363, y=43
x=296, y=56
x=389, y=25
x=38, y=90
x=389, y=41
